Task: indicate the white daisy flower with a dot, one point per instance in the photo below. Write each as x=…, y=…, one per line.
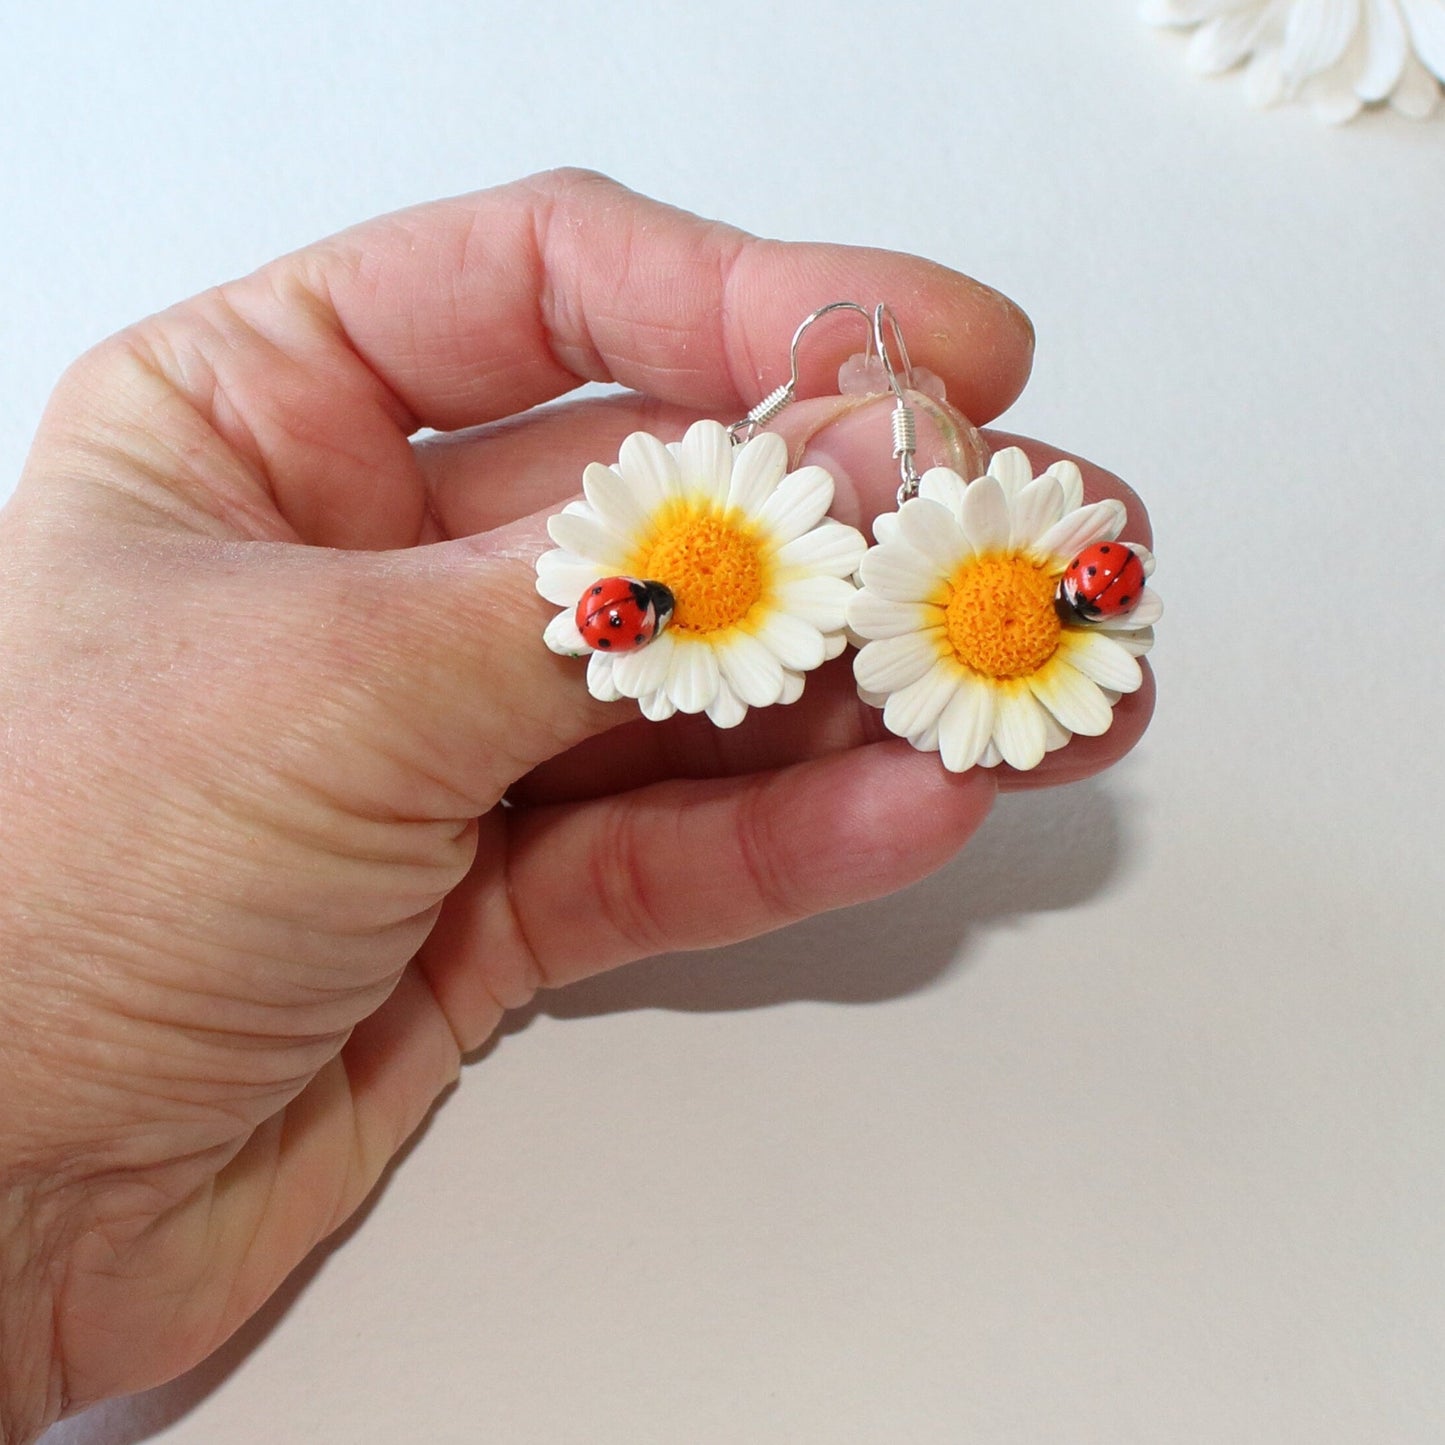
x=760, y=575
x=969, y=653
x=1338, y=55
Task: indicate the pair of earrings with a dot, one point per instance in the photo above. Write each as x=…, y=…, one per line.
x=995, y=617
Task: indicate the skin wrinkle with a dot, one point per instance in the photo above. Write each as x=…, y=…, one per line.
x=184, y=364
x=532, y=975
x=622, y=887
x=754, y=829
x=552, y=327
x=201, y=685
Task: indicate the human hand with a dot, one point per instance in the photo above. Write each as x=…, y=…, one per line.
x=269, y=668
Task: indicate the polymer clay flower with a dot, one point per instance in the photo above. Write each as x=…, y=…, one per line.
x=757, y=574
x=973, y=647
x=1337, y=55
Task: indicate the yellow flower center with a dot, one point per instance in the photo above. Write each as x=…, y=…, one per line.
x=711, y=561
x=1001, y=616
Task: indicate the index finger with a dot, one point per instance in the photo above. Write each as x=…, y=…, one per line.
x=300, y=384
x=479, y=307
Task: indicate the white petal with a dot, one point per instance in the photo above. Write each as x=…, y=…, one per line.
x=1385, y=53
x=1145, y=556
x=1019, y=729
x=589, y=536
x=932, y=531
x=705, y=461
x=894, y=662
x=1136, y=644
x=1147, y=611
x=1176, y=12
x=835, y=644
x=616, y=503
x=1263, y=79
x=942, y=485
x=985, y=512
x=692, y=677
x=821, y=601
x=758, y=467
x=900, y=574
x=727, y=709
x=1315, y=37
x=885, y=527
x=1071, y=479
x=792, y=641
x=925, y=741
x=562, y=577
x=1077, y=703
x=750, y=669
x=1418, y=94
x=967, y=725
x=830, y=549
x=657, y=706
x=1222, y=42
x=599, y=678
x=1331, y=97
x=1101, y=658
x=649, y=468
x=873, y=616
x=1056, y=735
x=1427, y=29
x=1036, y=508
x=991, y=756
x=1012, y=470
x=1098, y=522
x=800, y=502
x=792, y=688
x=644, y=670
x=563, y=637
x=915, y=709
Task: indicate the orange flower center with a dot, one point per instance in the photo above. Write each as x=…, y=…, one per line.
x=1001, y=616
x=712, y=563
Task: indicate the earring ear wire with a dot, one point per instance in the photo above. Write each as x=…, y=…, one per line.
x=1033, y=614
x=785, y=395
x=702, y=575
x=905, y=423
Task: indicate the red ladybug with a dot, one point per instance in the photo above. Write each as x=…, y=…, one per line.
x=1104, y=580
x=621, y=614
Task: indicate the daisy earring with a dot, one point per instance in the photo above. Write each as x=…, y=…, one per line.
x=701, y=575
x=1001, y=615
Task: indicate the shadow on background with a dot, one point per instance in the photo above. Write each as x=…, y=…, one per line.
x=1038, y=852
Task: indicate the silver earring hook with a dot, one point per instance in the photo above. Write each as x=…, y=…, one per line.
x=784, y=395
x=905, y=426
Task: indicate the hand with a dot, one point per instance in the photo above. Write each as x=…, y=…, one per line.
x=269, y=668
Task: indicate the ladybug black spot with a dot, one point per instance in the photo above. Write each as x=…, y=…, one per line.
x=604, y=642
x=1125, y=600
x=597, y=589
x=614, y=619
x=1091, y=570
x=1106, y=548
x=640, y=639
x=1074, y=563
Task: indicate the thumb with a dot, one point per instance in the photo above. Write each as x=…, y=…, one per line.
x=456, y=657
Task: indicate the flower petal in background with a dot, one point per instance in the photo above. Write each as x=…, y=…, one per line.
x=1337, y=56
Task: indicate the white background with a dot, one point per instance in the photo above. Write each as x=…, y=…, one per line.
x=1127, y=1126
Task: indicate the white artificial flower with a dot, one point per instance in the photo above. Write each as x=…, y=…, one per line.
x=969, y=654
x=760, y=574
x=1337, y=55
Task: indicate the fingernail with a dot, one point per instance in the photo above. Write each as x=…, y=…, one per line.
x=852, y=437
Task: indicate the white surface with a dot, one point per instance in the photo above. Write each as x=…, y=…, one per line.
x=1125, y=1128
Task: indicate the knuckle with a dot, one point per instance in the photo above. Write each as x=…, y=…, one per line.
x=630, y=896
x=768, y=865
